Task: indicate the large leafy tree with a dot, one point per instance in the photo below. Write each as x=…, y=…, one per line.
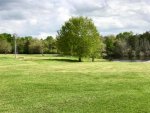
x=79, y=37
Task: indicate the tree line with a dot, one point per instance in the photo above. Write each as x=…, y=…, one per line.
x=127, y=45
x=27, y=45
x=79, y=37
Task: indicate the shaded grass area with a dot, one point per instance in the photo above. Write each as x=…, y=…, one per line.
x=47, y=84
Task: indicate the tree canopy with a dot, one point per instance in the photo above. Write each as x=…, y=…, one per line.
x=79, y=37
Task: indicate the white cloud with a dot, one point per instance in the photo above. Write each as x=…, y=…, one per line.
x=42, y=18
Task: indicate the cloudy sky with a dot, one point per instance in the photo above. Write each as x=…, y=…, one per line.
x=45, y=17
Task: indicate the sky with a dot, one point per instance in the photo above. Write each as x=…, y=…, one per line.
x=40, y=18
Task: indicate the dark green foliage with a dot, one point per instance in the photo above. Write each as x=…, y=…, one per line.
x=6, y=43
x=5, y=47
x=128, y=45
x=6, y=36
x=36, y=47
x=50, y=45
x=27, y=41
x=109, y=42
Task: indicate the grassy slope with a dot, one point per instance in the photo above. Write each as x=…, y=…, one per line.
x=36, y=84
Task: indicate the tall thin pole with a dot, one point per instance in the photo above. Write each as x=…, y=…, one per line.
x=15, y=46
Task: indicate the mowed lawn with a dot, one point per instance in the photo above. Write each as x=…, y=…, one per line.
x=48, y=84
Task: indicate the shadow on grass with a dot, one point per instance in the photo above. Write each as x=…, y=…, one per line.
x=74, y=60
x=48, y=59
x=63, y=60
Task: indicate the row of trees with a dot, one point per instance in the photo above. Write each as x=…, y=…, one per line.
x=79, y=37
x=27, y=45
x=128, y=45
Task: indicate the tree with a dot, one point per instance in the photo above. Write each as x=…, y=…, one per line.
x=110, y=45
x=124, y=35
x=79, y=37
x=50, y=45
x=21, y=45
x=28, y=41
x=7, y=37
x=5, y=47
x=35, y=47
x=121, y=48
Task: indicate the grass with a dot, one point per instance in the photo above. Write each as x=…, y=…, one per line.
x=51, y=84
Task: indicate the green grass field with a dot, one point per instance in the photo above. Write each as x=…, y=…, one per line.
x=48, y=84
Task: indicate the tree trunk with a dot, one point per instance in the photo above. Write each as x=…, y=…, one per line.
x=42, y=53
x=93, y=59
x=80, y=60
